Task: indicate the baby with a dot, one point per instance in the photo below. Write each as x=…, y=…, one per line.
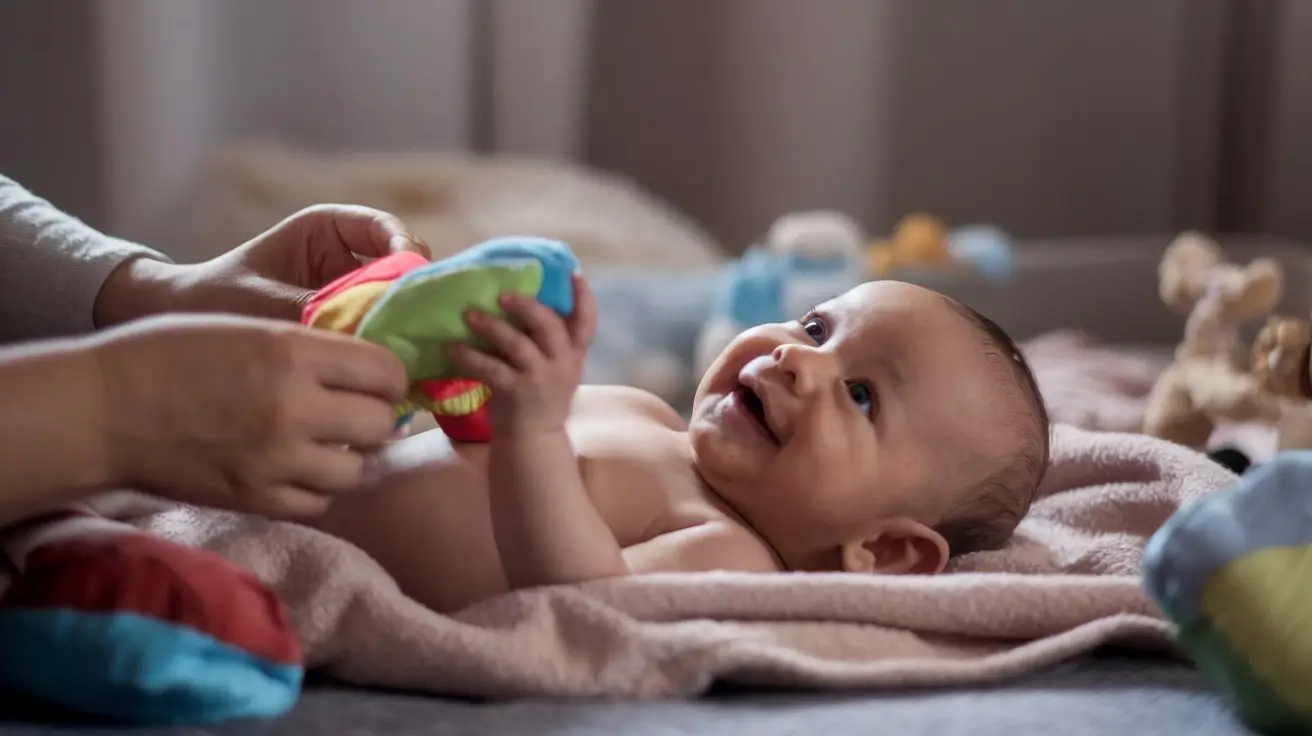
x=882, y=432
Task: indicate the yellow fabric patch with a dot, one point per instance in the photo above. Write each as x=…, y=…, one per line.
x=343, y=312
x=1262, y=604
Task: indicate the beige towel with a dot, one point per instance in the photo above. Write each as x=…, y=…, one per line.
x=1068, y=583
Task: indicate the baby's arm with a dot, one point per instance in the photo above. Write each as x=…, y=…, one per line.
x=548, y=531
x=546, y=527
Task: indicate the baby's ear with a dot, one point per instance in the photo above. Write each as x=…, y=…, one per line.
x=898, y=546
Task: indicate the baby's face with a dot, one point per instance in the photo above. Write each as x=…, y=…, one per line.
x=857, y=415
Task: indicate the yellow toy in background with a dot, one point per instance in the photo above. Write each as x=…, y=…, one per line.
x=921, y=240
x=917, y=239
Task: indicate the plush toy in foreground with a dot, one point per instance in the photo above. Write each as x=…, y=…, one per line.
x=1210, y=379
x=417, y=310
x=108, y=620
x=1233, y=571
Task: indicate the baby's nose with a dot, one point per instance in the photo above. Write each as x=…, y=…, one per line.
x=802, y=366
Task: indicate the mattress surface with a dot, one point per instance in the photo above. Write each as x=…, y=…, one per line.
x=1092, y=696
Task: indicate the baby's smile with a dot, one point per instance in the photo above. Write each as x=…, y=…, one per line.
x=752, y=407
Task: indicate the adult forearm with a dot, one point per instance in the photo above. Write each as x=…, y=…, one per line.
x=50, y=449
x=52, y=267
x=546, y=527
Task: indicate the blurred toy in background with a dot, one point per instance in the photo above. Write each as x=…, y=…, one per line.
x=621, y=356
x=921, y=240
x=1211, y=378
x=806, y=258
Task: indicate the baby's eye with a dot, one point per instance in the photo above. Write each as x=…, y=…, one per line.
x=862, y=396
x=815, y=328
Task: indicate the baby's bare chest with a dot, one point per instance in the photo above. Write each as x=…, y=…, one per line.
x=638, y=474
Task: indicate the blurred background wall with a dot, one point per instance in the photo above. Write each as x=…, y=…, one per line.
x=1060, y=117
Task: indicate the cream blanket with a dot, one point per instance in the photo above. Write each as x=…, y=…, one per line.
x=1068, y=583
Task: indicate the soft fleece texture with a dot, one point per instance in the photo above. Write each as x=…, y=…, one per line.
x=1068, y=583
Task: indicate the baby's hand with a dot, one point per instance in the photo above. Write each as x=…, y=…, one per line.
x=533, y=370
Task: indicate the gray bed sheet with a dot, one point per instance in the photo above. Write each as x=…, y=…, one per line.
x=1096, y=695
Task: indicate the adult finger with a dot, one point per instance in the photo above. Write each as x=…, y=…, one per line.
x=350, y=364
x=583, y=321
x=351, y=419
x=543, y=326
x=325, y=469
x=366, y=231
x=508, y=341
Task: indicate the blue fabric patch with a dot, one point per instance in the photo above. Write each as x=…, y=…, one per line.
x=558, y=264
x=752, y=292
x=138, y=669
x=1268, y=507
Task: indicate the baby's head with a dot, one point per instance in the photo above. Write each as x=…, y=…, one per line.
x=884, y=431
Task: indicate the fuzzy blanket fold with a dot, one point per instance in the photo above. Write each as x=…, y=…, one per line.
x=1068, y=583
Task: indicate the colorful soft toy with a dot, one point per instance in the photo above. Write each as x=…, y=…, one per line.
x=107, y=620
x=416, y=309
x=1232, y=571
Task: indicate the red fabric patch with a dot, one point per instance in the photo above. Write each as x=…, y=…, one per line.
x=441, y=389
x=468, y=428
x=387, y=268
x=147, y=575
x=472, y=427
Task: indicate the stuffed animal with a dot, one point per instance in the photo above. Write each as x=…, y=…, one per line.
x=416, y=309
x=1280, y=357
x=1280, y=361
x=923, y=240
x=1210, y=378
x=1231, y=571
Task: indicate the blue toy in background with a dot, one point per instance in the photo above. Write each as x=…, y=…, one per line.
x=806, y=258
x=810, y=257
x=986, y=248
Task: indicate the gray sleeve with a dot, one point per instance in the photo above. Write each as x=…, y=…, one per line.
x=51, y=267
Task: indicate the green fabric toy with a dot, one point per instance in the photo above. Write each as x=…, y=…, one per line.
x=1234, y=571
x=416, y=308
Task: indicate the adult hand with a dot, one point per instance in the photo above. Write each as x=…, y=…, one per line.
x=272, y=275
x=244, y=414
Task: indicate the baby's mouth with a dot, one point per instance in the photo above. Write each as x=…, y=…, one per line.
x=756, y=410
